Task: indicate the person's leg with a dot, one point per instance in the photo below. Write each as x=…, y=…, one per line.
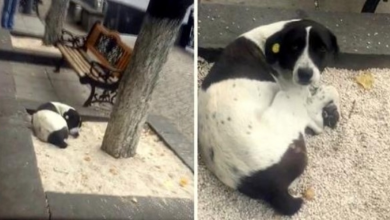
x=11, y=16
x=5, y=13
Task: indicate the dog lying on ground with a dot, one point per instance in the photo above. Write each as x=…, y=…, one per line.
x=255, y=105
x=53, y=122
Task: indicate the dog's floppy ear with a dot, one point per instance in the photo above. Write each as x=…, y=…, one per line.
x=273, y=46
x=334, y=44
x=330, y=41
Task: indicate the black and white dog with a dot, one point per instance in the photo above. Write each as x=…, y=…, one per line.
x=71, y=116
x=256, y=103
x=54, y=121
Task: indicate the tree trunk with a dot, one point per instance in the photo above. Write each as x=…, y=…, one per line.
x=54, y=21
x=159, y=30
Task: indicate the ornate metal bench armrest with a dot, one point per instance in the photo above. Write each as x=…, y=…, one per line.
x=69, y=39
x=104, y=71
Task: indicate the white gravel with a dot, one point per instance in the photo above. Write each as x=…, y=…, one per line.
x=348, y=167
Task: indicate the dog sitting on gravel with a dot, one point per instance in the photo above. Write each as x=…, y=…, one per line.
x=256, y=103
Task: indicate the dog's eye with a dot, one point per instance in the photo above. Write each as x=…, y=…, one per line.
x=322, y=50
x=294, y=48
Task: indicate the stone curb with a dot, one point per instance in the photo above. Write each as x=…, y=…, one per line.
x=84, y=206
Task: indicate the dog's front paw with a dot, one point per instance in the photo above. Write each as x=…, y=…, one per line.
x=331, y=115
x=310, y=131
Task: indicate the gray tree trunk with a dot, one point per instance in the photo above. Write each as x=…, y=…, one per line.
x=54, y=21
x=156, y=38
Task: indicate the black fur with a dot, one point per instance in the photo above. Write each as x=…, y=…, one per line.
x=47, y=106
x=169, y=9
x=57, y=138
x=240, y=59
x=292, y=41
x=272, y=184
x=330, y=115
x=72, y=118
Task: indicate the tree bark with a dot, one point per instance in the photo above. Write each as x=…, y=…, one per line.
x=54, y=21
x=159, y=30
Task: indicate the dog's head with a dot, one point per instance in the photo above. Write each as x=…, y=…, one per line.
x=301, y=48
x=74, y=122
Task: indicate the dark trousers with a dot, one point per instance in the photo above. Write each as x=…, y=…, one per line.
x=8, y=13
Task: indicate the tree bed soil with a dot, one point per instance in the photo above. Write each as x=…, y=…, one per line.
x=84, y=168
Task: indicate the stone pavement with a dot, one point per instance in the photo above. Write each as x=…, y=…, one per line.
x=357, y=33
x=41, y=84
x=354, y=6
x=21, y=192
x=30, y=24
x=173, y=96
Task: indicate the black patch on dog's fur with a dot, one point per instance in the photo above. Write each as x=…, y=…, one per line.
x=57, y=138
x=240, y=59
x=272, y=184
x=72, y=118
x=47, y=106
x=292, y=41
x=330, y=115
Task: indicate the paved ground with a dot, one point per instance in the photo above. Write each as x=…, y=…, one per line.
x=321, y=5
x=25, y=23
x=173, y=96
x=356, y=33
x=21, y=192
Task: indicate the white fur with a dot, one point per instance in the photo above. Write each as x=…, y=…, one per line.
x=304, y=61
x=250, y=124
x=45, y=122
x=74, y=131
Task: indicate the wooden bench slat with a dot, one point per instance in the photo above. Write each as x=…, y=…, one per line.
x=78, y=62
x=68, y=56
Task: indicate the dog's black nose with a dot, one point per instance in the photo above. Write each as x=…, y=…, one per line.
x=304, y=75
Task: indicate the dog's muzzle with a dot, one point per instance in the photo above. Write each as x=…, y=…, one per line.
x=305, y=75
x=74, y=132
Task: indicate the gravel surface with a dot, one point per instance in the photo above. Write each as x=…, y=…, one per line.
x=347, y=175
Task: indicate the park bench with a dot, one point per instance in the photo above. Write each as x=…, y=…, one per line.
x=99, y=59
